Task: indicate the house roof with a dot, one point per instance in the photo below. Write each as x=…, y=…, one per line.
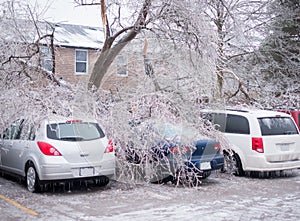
x=78, y=36
x=65, y=35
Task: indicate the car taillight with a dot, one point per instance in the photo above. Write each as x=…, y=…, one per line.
x=110, y=147
x=217, y=146
x=48, y=149
x=257, y=144
x=182, y=149
x=174, y=149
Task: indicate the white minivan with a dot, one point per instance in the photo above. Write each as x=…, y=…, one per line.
x=259, y=140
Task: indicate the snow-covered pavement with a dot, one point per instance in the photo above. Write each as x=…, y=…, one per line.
x=220, y=197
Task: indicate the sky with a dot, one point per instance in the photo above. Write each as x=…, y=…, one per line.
x=65, y=11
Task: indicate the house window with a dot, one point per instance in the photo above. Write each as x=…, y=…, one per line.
x=121, y=66
x=46, y=58
x=81, y=65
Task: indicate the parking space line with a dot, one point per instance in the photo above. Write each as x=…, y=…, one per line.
x=18, y=205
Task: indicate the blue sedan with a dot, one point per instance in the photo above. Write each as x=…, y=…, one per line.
x=177, y=152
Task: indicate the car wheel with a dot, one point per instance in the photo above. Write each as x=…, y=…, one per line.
x=190, y=178
x=205, y=174
x=32, y=179
x=237, y=166
x=197, y=178
x=101, y=181
x=232, y=164
x=228, y=163
x=133, y=156
x=165, y=180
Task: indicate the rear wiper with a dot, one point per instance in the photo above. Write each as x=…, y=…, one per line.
x=290, y=132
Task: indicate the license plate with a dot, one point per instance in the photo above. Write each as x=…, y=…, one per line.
x=86, y=171
x=284, y=147
x=205, y=166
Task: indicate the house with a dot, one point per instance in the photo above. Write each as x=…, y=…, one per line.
x=70, y=51
x=76, y=49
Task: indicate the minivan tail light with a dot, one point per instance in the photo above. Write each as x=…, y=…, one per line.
x=110, y=147
x=257, y=144
x=48, y=149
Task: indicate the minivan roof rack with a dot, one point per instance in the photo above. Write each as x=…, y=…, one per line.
x=238, y=110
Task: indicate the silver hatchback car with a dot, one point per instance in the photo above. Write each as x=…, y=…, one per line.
x=59, y=149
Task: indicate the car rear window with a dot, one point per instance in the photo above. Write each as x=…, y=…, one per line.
x=277, y=126
x=79, y=131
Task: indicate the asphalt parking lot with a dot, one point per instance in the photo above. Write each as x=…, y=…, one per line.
x=220, y=197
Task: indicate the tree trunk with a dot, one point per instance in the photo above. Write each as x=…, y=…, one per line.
x=106, y=57
x=109, y=52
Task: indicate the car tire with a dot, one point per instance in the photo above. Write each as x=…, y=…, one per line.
x=32, y=179
x=227, y=163
x=237, y=166
x=165, y=180
x=191, y=178
x=205, y=174
x=228, y=166
x=232, y=164
x=101, y=181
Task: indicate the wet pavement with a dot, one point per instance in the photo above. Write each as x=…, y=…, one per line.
x=220, y=197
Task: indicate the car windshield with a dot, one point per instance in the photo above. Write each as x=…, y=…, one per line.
x=277, y=126
x=79, y=131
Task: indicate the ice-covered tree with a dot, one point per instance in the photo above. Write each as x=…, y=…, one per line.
x=180, y=22
x=20, y=39
x=180, y=40
x=279, y=53
x=27, y=88
x=239, y=24
x=177, y=48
